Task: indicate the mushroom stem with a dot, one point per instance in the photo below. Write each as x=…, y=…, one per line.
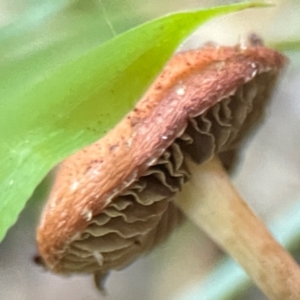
x=210, y=200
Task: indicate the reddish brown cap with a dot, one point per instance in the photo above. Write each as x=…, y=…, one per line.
x=112, y=200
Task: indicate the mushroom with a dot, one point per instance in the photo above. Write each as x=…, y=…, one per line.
x=114, y=200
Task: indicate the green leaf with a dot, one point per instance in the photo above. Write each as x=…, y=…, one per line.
x=45, y=120
x=58, y=33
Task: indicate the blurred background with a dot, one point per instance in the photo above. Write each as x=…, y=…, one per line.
x=268, y=176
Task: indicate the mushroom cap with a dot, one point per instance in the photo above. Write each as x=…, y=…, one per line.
x=111, y=201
